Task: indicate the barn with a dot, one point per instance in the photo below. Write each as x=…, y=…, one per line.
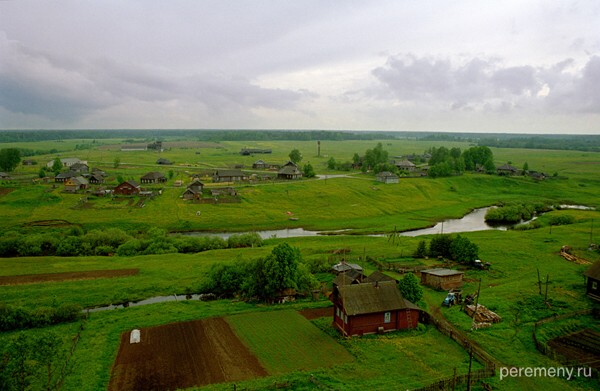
x=370, y=308
x=442, y=278
x=593, y=281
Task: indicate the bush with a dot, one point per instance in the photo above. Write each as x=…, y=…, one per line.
x=561, y=220
x=245, y=240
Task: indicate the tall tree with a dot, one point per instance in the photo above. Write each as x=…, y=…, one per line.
x=57, y=165
x=410, y=288
x=9, y=159
x=295, y=156
x=280, y=269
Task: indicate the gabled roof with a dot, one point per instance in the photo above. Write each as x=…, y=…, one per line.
x=289, y=170
x=79, y=180
x=593, y=271
x=386, y=174
x=66, y=175
x=441, y=272
x=345, y=266
x=506, y=167
x=192, y=191
x=153, y=176
x=130, y=183
x=405, y=163
x=378, y=276
x=196, y=183
x=371, y=298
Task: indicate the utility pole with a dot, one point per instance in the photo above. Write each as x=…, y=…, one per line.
x=469, y=375
x=539, y=282
x=546, y=295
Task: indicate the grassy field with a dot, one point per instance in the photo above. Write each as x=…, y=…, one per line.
x=360, y=203
x=284, y=341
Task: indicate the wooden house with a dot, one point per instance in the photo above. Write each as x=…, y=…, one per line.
x=153, y=177
x=387, y=177
x=229, y=176
x=593, y=281
x=289, y=171
x=75, y=184
x=344, y=267
x=506, y=169
x=29, y=162
x=127, y=188
x=96, y=178
x=370, y=308
x=442, y=278
x=63, y=176
x=79, y=168
x=405, y=165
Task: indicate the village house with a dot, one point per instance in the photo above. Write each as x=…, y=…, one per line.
x=442, y=278
x=262, y=165
x=372, y=307
x=506, y=169
x=66, y=162
x=387, y=177
x=29, y=162
x=229, y=176
x=153, y=177
x=289, y=171
x=593, y=281
x=96, y=178
x=4, y=175
x=127, y=188
x=344, y=267
x=405, y=165
x=79, y=168
x=193, y=191
x=63, y=176
x=75, y=184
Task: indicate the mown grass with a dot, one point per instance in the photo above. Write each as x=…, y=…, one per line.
x=284, y=341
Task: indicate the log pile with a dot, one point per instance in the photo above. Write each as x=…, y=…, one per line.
x=565, y=252
x=483, y=315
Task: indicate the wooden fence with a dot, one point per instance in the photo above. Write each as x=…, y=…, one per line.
x=480, y=355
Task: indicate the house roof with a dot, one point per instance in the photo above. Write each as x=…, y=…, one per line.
x=78, y=166
x=506, y=167
x=79, y=180
x=378, y=276
x=4, y=175
x=190, y=190
x=371, y=298
x=130, y=183
x=386, y=174
x=345, y=266
x=593, y=271
x=405, y=163
x=66, y=175
x=196, y=183
x=441, y=272
x=289, y=170
x=153, y=175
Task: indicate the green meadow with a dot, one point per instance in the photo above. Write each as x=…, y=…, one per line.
x=358, y=203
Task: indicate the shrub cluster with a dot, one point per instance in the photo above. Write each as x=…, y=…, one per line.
x=19, y=318
x=458, y=248
x=514, y=213
x=116, y=241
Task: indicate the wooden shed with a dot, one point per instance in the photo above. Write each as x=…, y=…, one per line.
x=442, y=278
x=593, y=281
x=370, y=308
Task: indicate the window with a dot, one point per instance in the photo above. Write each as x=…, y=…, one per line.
x=345, y=318
x=594, y=285
x=387, y=317
x=337, y=312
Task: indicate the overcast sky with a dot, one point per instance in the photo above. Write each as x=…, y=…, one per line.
x=447, y=65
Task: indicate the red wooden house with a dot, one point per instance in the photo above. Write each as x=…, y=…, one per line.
x=370, y=308
x=127, y=188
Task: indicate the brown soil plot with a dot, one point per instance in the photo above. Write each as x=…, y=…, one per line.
x=583, y=347
x=50, y=277
x=181, y=355
x=316, y=313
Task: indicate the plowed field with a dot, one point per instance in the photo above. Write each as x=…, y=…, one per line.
x=316, y=313
x=181, y=355
x=48, y=277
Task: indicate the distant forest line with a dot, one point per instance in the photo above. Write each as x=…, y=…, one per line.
x=590, y=143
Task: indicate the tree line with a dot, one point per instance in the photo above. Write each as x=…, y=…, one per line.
x=115, y=241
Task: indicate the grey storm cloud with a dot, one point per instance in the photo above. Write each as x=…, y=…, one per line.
x=489, y=84
x=34, y=82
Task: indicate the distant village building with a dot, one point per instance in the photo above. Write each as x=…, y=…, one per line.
x=79, y=168
x=593, y=281
x=387, y=177
x=156, y=146
x=96, y=178
x=262, y=165
x=66, y=162
x=4, y=175
x=344, y=267
x=164, y=162
x=127, y=188
x=29, y=162
x=153, y=177
x=193, y=191
x=75, y=184
x=442, y=278
x=251, y=151
x=63, y=176
x=405, y=165
x=229, y=176
x=372, y=307
x=289, y=171
x=506, y=169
